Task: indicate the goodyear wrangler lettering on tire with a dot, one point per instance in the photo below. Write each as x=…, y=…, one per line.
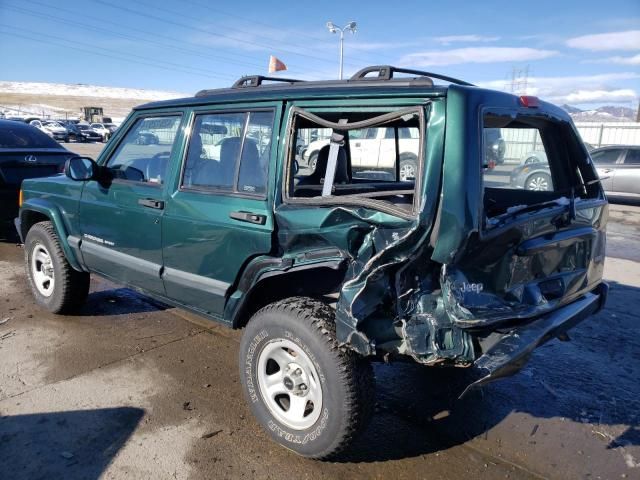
x=251, y=353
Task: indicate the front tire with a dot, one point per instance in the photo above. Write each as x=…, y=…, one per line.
x=310, y=395
x=55, y=285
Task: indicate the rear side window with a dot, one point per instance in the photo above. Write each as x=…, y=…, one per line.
x=229, y=152
x=606, y=157
x=23, y=136
x=633, y=157
x=143, y=155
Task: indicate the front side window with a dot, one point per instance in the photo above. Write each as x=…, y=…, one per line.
x=230, y=152
x=143, y=155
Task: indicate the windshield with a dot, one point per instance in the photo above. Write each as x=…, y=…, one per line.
x=15, y=135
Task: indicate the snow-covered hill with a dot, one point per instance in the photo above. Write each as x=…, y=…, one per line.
x=82, y=90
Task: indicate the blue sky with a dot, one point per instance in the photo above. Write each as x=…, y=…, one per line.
x=579, y=52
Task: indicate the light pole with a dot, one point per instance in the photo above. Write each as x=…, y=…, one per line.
x=351, y=27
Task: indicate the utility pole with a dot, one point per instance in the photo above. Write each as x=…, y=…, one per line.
x=351, y=27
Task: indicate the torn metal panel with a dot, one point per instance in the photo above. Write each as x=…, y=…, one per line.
x=512, y=351
x=527, y=269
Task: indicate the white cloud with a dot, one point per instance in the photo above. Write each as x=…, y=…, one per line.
x=634, y=60
x=577, y=89
x=623, y=95
x=449, y=39
x=475, y=55
x=629, y=40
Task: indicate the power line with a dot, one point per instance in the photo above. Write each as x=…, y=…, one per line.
x=117, y=56
x=207, y=32
x=90, y=27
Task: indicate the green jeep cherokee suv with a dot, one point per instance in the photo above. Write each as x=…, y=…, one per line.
x=331, y=268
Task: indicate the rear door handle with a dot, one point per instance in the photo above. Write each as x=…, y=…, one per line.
x=151, y=203
x=249, y=217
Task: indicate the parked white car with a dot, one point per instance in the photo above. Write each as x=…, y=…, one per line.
x=40, y=126
x=375, y=148
x=102, y=130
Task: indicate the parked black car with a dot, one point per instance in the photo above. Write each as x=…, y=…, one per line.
x=87, y=134
x=25, y=152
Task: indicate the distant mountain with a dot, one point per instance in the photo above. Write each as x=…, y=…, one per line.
x=608, y=113
x=66, y=100
x=570, y=109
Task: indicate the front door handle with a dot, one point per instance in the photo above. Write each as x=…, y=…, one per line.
x=249, y=217
x=151, y=203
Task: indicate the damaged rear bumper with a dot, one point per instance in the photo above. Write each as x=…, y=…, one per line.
x=509, y=354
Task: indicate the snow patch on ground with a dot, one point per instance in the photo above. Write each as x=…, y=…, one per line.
x=82, y=90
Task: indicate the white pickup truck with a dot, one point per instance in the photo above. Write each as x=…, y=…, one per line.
x=374, y=149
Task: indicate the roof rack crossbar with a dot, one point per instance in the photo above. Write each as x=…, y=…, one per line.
x=385, y=72
x=257, y=80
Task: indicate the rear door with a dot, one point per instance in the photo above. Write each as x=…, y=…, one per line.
x=627, y=176
x=219, y=216
x=121, y=221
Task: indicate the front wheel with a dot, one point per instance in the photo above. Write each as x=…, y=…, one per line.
x=54, y=283
x=310, y=395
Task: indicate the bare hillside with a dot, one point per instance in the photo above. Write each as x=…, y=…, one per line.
x=50, y=100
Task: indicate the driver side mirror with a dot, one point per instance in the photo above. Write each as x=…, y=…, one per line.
x=81, y=169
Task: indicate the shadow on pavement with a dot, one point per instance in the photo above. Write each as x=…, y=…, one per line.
x=591, y=379
x=74, y=445
x=118, y=301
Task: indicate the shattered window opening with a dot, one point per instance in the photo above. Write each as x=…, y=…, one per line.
x=529, y=162
x=377, y=162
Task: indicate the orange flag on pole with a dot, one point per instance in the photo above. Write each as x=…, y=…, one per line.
x=276, y=65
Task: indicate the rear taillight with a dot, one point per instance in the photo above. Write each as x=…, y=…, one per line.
x=20, y=198
x=529, y=101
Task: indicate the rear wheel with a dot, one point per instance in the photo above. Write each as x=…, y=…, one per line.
x=310, y=395
x=539, y=182
x=408, y=169
x=313, y=160
x=54, y=283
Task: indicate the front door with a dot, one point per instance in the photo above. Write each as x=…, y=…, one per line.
x=121, y=220
x=219, y=217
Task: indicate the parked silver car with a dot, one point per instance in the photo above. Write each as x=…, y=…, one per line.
x=618, y=167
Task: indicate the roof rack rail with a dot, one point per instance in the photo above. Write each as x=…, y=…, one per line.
x=385, y=72
x=257, y=80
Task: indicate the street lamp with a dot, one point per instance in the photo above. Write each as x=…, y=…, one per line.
x=351, y=27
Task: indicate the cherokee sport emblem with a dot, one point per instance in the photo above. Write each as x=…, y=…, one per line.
x=31, y=158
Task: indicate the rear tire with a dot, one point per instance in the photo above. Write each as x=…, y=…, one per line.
x=289, y=357
x=538, y=182
x=313, y=160
x=408, y=168
x=55, y=285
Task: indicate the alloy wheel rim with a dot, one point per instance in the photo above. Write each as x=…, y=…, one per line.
x=289, y=384
x=42, y=270
x=538, y=184
x=407, y=172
